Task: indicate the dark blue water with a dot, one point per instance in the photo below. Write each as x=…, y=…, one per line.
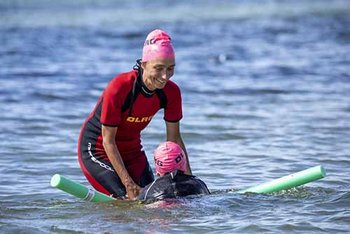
x=266, y=93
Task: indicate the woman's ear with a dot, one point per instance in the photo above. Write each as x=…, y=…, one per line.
x=143, y=65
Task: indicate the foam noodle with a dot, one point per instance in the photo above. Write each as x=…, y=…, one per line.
x=286, y=182
x=78, y=190
x=289, y=181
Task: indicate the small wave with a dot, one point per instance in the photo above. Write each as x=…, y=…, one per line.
x=33, y=74
x=18, y=228
x=239, y=92
x=48, y=96
x=91, y=13
x=300, y=192
x=337, y=199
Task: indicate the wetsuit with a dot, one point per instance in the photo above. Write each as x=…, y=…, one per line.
x=131, y=111
x=173, y=185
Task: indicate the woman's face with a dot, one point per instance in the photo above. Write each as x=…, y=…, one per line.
x=157, y=72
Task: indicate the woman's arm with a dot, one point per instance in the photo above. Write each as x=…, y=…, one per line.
x=108, y=135
x=173, y=134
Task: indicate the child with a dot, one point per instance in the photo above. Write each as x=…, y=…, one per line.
x=170, y=162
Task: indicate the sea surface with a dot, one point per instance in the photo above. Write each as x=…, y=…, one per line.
x=266, y=93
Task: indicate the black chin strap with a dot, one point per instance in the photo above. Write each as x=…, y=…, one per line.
x=137, y=66
x=137, y=84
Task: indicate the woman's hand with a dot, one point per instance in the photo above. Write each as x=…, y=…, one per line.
x=132, y=190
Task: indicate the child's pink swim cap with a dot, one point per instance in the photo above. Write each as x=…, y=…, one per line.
x=169, y=157
x=157, y=46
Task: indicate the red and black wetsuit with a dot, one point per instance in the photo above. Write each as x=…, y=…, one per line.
x=110, y=110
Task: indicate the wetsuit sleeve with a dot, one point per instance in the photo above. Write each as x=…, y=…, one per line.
x=173, y=110
x=143, y=193
x=111, y=104
x=159, y=189
x=186, y=185
x=202, y=187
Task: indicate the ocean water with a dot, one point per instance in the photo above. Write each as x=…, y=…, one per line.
x=266, y=93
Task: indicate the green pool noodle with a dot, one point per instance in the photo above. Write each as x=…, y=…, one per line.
x=78, y=190
x=289, y=181
x=283, y=183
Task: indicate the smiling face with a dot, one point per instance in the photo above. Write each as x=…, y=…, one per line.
x=157, y=72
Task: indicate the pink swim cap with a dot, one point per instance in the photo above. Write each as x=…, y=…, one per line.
x=169, y=157
x=157, y=46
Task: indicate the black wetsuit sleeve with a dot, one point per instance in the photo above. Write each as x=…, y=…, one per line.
x=143, y=193
x=202, y=187
x=189, y=185
x=172, y=186
x=159, y=189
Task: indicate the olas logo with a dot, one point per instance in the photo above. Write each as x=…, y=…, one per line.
x=139, y=119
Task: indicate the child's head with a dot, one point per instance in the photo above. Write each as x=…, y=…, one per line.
x=169, y=157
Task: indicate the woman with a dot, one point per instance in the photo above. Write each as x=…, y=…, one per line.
x=110, y=152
